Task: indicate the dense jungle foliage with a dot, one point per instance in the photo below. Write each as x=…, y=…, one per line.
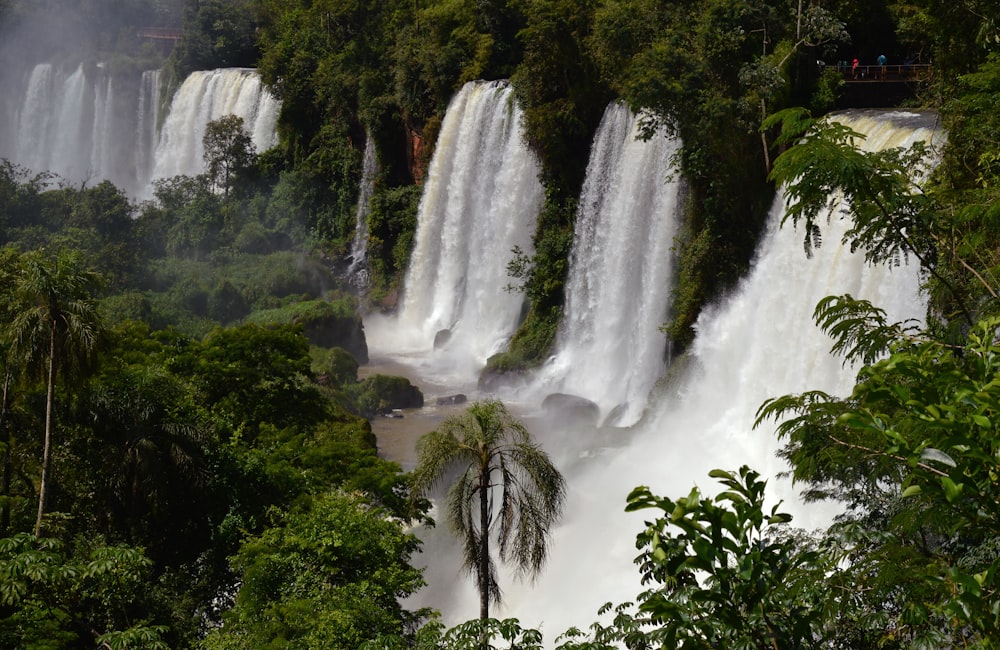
x=186, y=460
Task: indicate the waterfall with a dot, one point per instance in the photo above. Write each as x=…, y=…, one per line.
x=357, y=271
x=70, y=123
x=758, y=342
x=205, y=96
x=87, y=124
x=481, y=199
x=609, y=348
x=147, y=122
x=104, y=135
x=31, y=144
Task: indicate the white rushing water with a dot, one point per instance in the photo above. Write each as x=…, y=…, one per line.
x=147, y=125
x=759, y=342
x=620, y=276
x=205, y=96
x=357, y=270
x=481, y=199
x=67, y=122
x=86, y=124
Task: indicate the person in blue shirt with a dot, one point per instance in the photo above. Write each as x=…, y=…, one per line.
x=881, y=62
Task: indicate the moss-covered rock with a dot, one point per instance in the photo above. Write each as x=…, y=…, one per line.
x=327, y=324
x=334, y=366
x=380, y=394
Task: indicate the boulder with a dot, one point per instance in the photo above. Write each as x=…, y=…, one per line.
x=382, y=394
x=441, y=338
x=571, y=409
x=616, y=414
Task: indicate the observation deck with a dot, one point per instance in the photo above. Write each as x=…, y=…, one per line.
x=879, y=86
x=165, y=38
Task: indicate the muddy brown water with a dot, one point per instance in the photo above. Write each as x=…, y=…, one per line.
x=397, y=435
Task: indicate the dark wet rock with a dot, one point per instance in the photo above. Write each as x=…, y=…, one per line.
x=441, y=338
x=571, y=408
x=615, y=416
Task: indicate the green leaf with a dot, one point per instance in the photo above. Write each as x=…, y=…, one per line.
x=929, y=453
x=952, y=490
x=982, y=421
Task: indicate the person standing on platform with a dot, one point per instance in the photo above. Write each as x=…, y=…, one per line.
x=881, y=63
x=854, y=68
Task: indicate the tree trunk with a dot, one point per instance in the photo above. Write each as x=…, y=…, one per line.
x=484, y=546
x=47, y=448
x=5, y=427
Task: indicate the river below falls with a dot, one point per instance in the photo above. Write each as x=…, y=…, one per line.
x=397, y=435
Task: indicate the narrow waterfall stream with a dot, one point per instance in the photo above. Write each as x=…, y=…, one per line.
x=357, y=270
x=756, y=343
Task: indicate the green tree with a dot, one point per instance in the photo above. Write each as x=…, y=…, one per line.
x=55, y=332
x=229, y=151
x=912, y=450
x=494, y=453
x=88, y=595
x=217, y=34
x=916, y=444
x=892, y=217
x=726, y=573
x=8, y=379
x=329, y=577
x=250, y=375
x=722, y=572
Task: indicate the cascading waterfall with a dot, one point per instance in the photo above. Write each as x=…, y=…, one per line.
x=481, y=199
x=31, y=144
x=87, y=124
x=756, y=343
x=147, y=123
x=70, y=123
x=205, y=96
x=103, y=120
x=357, y=271
x=609, y=349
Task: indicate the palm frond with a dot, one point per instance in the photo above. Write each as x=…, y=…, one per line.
x=526, y=492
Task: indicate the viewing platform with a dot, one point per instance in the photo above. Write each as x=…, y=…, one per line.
x=898, y=73
x=879, y=86
x=159, y=34
x=166, y=39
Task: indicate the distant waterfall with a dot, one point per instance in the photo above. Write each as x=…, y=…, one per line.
x=205, y=96
x=609, y=348
x=357, y=271
x=481, y=199
x=756, y=343
x=70, y=123
x=87, y=124
x=147, y=123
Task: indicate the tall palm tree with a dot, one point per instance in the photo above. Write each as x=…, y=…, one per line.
x=55, y=329
x=506, y=487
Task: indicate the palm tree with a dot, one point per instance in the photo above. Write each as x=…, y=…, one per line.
x=55, y=328
x=507, y=486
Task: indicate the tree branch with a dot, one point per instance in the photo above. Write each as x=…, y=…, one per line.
x=876, y=452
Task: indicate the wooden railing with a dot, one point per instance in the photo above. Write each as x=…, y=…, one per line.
x=875, y=72
x=159, y=34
